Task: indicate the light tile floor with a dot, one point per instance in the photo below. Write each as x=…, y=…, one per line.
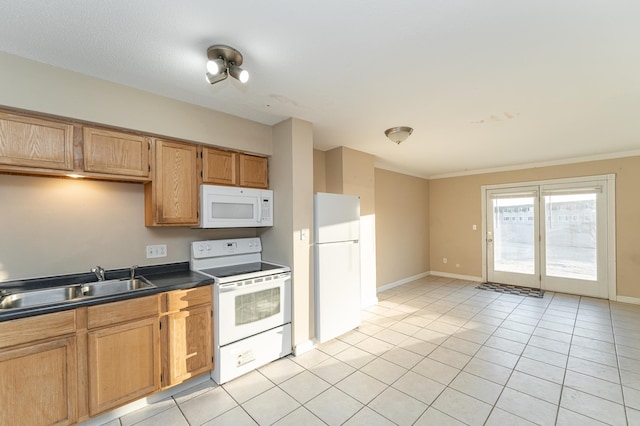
x=440, y=352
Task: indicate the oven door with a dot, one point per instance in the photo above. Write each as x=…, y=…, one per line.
x=249, y=307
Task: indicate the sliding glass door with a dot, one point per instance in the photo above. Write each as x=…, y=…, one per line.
x=551, y=236
x=574, y=236
x=512, y=236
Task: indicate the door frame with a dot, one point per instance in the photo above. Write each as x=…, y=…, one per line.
x=611, y=222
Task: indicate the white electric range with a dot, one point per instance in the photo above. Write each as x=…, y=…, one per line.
x=252, y=305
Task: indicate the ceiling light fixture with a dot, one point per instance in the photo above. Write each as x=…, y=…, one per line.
x=224, y=61
x=398, y=134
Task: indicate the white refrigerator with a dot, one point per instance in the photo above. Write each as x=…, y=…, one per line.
x=337, y=264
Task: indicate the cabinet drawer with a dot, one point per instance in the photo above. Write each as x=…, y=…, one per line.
x=118, y=312
x=181, y=299
x=31, y=329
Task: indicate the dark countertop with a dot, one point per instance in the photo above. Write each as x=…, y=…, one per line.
x=173, y=276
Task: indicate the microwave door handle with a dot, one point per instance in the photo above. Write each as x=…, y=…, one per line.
x=259, y=210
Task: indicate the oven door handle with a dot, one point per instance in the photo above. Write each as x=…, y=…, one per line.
x=225, y=288
x=249, y=285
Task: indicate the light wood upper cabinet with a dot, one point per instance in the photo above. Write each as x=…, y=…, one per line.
x=34, y=142
x=219, y=167
x=232, y=168
x=123, y=352
x=187, y=337
x=172, y=196
x=254, y=171
x=115, y=153
x=38, y=370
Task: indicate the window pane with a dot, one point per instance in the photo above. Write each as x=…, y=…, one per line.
x=513, y=239
x=571, y=236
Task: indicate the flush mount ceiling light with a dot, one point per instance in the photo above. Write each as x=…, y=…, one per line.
x=224, y=61
x=398, y=134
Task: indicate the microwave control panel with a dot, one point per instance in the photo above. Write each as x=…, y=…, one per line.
x=265, y=208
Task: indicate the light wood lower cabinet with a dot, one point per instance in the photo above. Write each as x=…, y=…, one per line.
x=187, y=338
x=123, y=352
x=124, y=364
x=65, y=367
x=188, y=349
x=39, y=384
x=38, y=370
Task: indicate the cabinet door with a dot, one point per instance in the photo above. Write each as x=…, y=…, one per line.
x=173, y=192
x=33, y=142
x=38, y=384
x=254, y=171
x=124, y=364
x=219, y=167
x=189, y=344
x=115, y=153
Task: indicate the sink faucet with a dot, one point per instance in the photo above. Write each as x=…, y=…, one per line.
x=133, y=271
x=99, y=271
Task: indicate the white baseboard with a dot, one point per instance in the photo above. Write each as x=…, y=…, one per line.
x=457, y=276
x=627, y=299
x=401, y=282
x=303, y=347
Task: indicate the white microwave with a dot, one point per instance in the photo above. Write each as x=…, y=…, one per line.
x=235, y=207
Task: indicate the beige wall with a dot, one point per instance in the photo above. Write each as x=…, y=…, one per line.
x=455, y=205
x=347, y=171
x=59, y=226
x=358, y=178
x=396, y=207
x=319, y=171
x=334, y=171
x=39, y=87
x=292, y=180
x=402, y=226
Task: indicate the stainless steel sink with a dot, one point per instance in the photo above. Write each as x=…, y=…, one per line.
x=51, y=296
x=106, y=288
x=27, y=299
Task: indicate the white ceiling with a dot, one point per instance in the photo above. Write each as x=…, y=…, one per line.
x=485, y=84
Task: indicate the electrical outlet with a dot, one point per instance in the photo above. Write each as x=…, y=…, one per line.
x=444, y=260
x=158, y=250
